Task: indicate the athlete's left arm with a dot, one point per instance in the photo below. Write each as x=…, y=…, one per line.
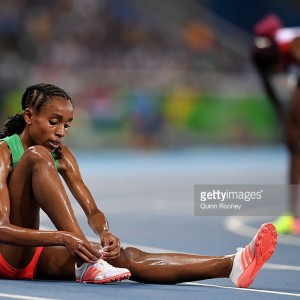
x=69, y=170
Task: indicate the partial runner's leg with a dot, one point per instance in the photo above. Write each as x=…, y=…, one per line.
x=294, y=181
x=294, y=148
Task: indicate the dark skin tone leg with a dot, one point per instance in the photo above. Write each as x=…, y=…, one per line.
x=294, y=181
x=164, y=268
x=39, y=186
x=293, y=145
x=289, y=118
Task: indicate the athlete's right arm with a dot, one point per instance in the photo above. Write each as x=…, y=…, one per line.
x=19, y=236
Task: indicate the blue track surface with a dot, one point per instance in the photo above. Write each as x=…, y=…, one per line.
x=148, y=198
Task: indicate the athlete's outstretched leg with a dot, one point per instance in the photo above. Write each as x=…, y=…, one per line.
x=173, y=267
x=57, y=263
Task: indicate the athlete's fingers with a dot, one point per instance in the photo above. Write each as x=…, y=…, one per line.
x=85, y=258
x=112, y=251
x=81, y=247
x=93, y=250
x=108, y=239
x=88, y=254
x=83, y=253
x=112, y=248
x=111, y=255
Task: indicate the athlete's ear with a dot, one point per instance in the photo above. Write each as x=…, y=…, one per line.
x=28, y=115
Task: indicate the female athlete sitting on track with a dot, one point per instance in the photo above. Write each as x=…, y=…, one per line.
x=32, y=156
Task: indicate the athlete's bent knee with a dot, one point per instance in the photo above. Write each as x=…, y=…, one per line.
x=39, y=155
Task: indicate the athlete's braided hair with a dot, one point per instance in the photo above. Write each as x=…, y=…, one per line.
x=35, y=96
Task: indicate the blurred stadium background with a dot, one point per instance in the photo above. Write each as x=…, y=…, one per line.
x=144, y=73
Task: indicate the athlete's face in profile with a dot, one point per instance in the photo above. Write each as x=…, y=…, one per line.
x=49, y=125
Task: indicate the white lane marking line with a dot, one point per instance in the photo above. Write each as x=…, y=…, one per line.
x=281, y=267
x=2, y=295
x=238, y=226
x=240, y=289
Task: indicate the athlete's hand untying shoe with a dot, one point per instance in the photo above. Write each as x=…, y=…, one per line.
x=81, y=247
x=111, y=246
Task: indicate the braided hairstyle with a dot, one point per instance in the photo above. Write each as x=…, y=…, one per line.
x=35, y=96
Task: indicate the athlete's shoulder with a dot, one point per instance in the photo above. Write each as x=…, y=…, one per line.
x=5, y=154
x=4, y=149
